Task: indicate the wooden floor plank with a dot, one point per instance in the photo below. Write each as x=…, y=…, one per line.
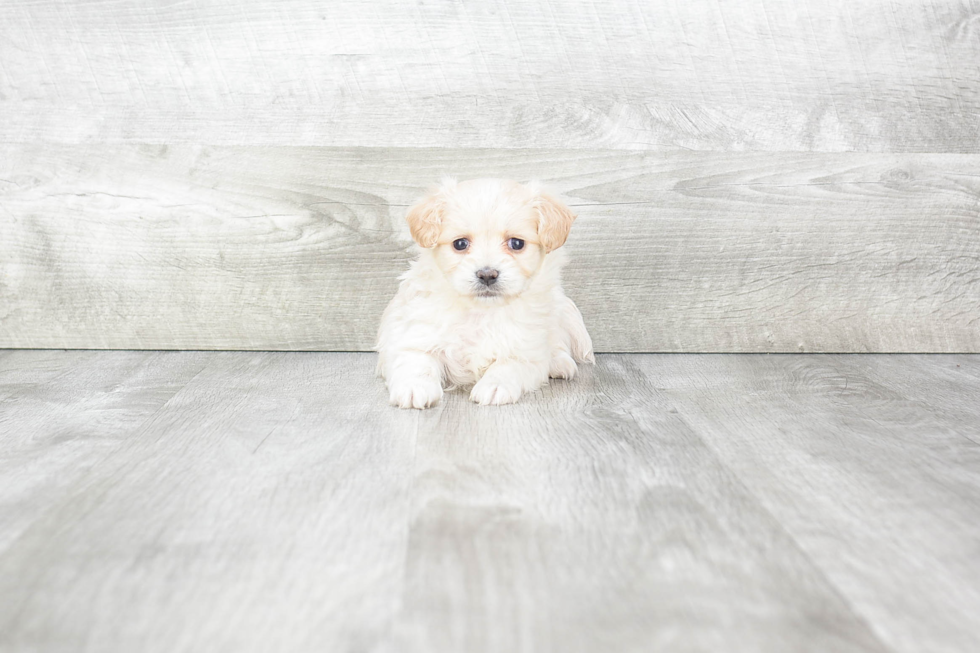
x=259, y=501
x=592, y=518
x=262, y=509
x=934, y=384
x=63, y=413
x=21, y=371
x=878, y=486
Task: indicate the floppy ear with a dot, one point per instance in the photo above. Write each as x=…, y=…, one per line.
x=554, y=219
x=425, y=216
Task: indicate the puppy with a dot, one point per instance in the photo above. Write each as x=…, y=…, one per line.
x=483, y=304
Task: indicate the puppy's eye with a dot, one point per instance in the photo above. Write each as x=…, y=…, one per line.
x=516, y=244
x=460, y=244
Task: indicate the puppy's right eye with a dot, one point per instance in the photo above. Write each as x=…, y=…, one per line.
x=460, y=244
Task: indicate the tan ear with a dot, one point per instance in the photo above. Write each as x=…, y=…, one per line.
x=425, y=216
x=554, y=219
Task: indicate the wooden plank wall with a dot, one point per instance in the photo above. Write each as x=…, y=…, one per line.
x=774, y=175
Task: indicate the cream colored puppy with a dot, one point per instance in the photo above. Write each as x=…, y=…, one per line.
x=483, y=304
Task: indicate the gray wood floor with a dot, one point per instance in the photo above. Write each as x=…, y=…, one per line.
x=206, y=501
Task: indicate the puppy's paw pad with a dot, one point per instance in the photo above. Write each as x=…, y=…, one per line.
x=420, y=393
x=490, y=393
x=562, y=366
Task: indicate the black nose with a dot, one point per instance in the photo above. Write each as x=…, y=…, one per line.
x=487, y=276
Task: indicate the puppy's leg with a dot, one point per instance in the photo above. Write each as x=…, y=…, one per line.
x=562, y=365
x=506, y=380
x=572, y=342
x=577, y=337
x=414, y=380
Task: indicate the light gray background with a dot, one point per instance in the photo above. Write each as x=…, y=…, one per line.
x=750, y=177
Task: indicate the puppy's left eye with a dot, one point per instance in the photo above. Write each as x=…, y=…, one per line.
x=516, y=244
x=460, y=244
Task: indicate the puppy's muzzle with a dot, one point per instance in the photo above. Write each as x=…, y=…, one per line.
x=487, y=276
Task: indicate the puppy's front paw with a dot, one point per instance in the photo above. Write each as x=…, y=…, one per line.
x=417, y=393
x=562, y=366
x=488, y=391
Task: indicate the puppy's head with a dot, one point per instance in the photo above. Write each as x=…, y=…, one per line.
x=489, y=236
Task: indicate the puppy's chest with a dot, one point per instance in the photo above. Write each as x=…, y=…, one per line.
x=473, y=342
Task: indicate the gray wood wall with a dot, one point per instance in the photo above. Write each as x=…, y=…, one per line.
x=775, y=175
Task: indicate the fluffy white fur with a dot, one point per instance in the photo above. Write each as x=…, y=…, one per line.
x=445, y=328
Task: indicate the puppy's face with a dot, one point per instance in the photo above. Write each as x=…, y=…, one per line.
x=489, y=236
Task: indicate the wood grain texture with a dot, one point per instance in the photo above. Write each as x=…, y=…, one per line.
x=63, y=413
x=773, y=75
x=261, y=508
x=254, y=501
x=865, y=464
x=592, y=518
x=201, y=247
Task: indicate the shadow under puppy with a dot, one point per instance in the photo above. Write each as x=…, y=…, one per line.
x=483, y=304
